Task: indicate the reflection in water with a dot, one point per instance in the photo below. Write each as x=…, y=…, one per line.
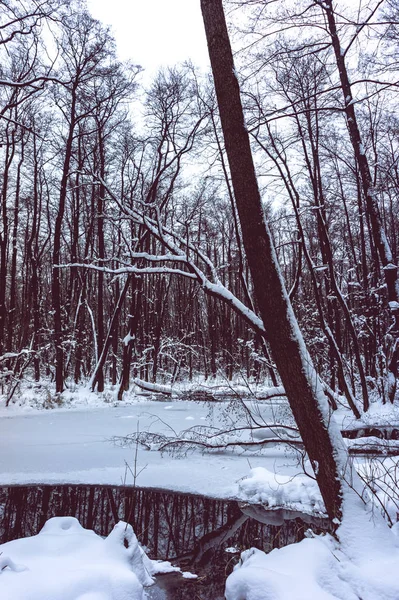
x=190, y=530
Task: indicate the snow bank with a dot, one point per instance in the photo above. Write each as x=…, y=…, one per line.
x=67, y=562
x=313, y=569
x=34, y=397
x=295, y=493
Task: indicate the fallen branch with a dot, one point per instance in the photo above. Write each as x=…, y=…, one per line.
x=208, y=442
x=375, y=450
x=153, y=387
x=383, y=432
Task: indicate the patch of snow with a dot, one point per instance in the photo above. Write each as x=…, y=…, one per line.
x=153, y=387
x=388, y=252
x=160, y=567
x=128, y=338
x=67, y=562
x=77, y=448
x=314, y=569
x=300, y=493
x=188, y=575
x=232, y=550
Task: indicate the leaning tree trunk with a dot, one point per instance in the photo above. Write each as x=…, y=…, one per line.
x=303, y=387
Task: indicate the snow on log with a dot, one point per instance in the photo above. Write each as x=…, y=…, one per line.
x=157, y=388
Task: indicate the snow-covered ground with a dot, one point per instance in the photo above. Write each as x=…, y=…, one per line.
x=316, y=569
x=67, y=562
x=76, y=444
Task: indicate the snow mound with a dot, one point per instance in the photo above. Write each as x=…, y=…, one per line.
x=313, y=569
x=299, y=493
x=67, y=562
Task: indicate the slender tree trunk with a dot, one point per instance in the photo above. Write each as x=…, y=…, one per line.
x=10, y=151
x=135, y=314
x=303, y=387
x=114, y=341
x=33, y=255
x=377, y=228
x=56, y=279
x=79, y=335
x=13, y=273
x=111, y=333
x=101, y=256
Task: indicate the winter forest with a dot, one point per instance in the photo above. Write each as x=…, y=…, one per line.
x=225, y=238
x=120, y=245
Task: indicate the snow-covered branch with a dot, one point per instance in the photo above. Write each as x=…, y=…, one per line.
x=129, y=269
x=163, y=443
x=11, y=355
x=153, y=387
x=33, y=82
x=180, y=250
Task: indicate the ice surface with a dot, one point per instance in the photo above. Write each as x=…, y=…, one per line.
x=74, y=446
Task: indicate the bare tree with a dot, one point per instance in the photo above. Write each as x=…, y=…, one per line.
x=301, y=382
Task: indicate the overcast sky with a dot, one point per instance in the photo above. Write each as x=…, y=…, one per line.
x=155, y=33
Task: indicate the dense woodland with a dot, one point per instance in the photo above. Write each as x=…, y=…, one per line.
x=121, y=251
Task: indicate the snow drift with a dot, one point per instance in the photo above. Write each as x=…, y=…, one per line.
x=67, y=562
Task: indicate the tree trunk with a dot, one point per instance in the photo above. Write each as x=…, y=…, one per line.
x=14, y=253
x=101, y=256
x=129, y=341
x=56, y=283
x=373, y=211
x=33, y=255
x=110, y=335
x=9, y=156
x=303, y=387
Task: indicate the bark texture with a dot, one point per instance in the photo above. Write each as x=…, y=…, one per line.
x=298, y=375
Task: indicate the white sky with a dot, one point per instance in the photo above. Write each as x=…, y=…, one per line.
x=154, y=33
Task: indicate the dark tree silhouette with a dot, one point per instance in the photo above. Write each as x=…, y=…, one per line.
x=296, y=370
